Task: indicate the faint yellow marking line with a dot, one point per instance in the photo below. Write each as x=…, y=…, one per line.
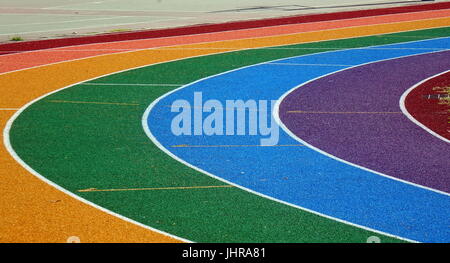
x=9, y=109
x=225, y=146
x=94, y=102
x=154, y=189
x=345, y=112
x=131, y=84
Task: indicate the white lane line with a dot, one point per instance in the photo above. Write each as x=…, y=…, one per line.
x=131, y=84
x=410, y=117
x=154, y=188
x=60, y=49
x=10, y=149
x=8, y=146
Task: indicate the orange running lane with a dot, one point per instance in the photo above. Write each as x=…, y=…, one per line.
x=33, y=211
x=43, y=57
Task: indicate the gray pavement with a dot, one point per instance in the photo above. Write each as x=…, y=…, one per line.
x=40, y=19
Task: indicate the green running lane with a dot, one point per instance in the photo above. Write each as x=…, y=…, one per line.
x=102, y=145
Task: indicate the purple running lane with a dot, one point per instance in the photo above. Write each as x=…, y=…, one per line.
x=355, y=115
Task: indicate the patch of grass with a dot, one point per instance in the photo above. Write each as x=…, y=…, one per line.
x=16, y=38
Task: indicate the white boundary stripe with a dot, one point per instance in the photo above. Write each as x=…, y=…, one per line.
x=10, y=149
x=280, y=123
x=173, y=48
x=156, y=48
x=8, y=146
x=156, y=142
x=93, y=26
x=131, y=84
x=410, y=117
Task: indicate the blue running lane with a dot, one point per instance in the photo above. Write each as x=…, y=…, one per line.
x=296, y=174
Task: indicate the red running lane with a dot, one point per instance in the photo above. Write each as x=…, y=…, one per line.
x=427, y=105
x=24, y=60
x=10, y=48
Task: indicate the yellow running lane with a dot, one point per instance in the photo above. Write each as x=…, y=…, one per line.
x=33, y=211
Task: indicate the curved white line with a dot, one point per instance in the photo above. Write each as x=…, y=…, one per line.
x=160, y=146
x=6, y=141
x=281, y=124
x=410, y=117
x=10, y=149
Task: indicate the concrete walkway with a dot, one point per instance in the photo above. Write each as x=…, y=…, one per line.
x=30, y=19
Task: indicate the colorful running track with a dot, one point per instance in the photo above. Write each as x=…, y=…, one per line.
x=84, y=130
